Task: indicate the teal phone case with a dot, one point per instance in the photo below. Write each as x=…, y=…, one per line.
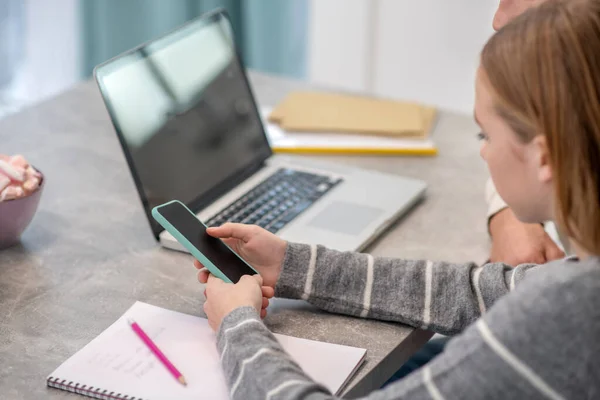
x=188, y=245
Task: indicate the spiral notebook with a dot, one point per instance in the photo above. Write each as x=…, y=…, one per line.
x=116, y=365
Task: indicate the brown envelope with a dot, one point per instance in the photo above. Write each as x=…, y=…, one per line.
x=331, y=112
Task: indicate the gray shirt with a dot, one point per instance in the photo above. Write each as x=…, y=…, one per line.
x=532, y=332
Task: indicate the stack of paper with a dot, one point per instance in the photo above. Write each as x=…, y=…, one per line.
x=337, y=123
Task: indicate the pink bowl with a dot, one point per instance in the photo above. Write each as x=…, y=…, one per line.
x=15, y=216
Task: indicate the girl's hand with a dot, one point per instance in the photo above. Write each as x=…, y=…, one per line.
x=222, y=298
x=259, y=247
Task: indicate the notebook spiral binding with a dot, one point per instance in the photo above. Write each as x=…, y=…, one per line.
x=90, y=391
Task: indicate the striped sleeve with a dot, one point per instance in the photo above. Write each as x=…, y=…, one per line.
x=255, y=364
x=438, y=296
x=492, y=357
x=482, y=361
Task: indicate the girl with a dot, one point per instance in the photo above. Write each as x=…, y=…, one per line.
x=530, y=332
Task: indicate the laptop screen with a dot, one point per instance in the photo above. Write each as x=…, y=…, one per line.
x=185, y=115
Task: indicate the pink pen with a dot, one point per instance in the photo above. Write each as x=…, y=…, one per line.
x=159, y=354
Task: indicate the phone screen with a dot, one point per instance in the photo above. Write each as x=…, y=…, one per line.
x=214, y=249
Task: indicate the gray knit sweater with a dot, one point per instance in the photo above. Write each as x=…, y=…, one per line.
x=525, y=333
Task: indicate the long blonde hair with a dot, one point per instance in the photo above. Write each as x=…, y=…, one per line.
x=544, y=71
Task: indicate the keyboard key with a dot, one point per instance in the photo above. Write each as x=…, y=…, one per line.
x=278, y=225
x=275, y=213
x=297, y=209
x=323, y=187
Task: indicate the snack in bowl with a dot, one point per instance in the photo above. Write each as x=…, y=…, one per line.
x=17, y=178
x=21, y=187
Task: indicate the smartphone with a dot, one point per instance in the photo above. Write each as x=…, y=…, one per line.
x=213, y=253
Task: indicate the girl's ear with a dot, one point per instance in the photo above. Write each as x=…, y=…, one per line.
x=542, y=158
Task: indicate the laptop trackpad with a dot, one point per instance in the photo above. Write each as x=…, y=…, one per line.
x=346, y=218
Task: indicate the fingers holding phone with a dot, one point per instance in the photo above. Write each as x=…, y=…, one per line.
x=237, y=258
x=222, y=298
x=267, y=291
x=259, y=247
x=214, y=254
x=203, y=275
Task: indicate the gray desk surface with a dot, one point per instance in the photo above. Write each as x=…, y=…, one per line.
x=89, y=254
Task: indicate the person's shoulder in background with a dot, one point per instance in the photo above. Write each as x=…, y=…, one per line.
x=515, y=242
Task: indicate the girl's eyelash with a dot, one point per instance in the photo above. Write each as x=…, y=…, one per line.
x=481, y=136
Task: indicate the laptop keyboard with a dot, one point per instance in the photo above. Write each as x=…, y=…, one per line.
x=277, y=200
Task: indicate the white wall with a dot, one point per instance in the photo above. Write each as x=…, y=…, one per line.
x=423, y=50
x=338, y=43
x=52, y=49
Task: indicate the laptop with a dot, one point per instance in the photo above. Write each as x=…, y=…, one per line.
x=190, y=129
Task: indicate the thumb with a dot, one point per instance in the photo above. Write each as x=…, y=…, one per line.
x=251, y=280
x=213, y=280
x=232, y=230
